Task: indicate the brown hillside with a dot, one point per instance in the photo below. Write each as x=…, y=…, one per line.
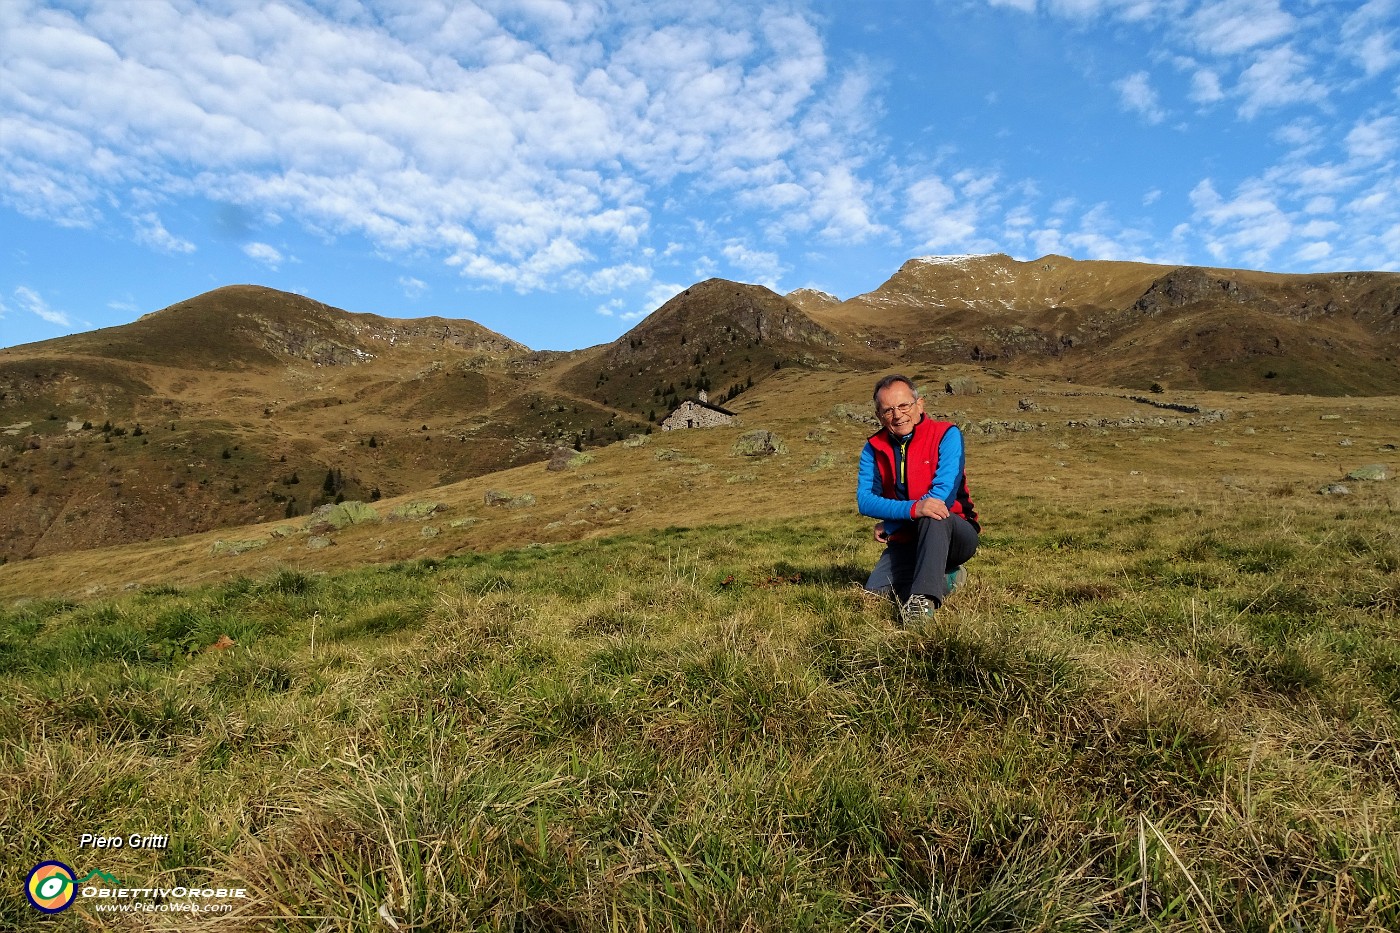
x=1136, y=323
x=247, y=404
x=1079, y=448
x=717, y=335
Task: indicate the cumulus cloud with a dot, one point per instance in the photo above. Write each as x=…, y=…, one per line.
x=516, y=141
x=1250, y=224
x=412, y=287
x=1205, y=87
x=546, y=144
x=609, y=278
x=1371, y=37
x=263, y=253
x=1227, y=27
x=1278, y=78
x=1137, y=95
x=151, y=232
x=762, y=267
x=1094, y=234
x=948, y=213
x=31, y=301
x=1313, y=252
x=1374, y=140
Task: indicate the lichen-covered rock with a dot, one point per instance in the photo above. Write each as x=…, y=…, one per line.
x=1372, y=472
x=963, y=385
x=759, y=443
x=855, y=415
x=1335, y=489
x=506, y=500
x=565, y=458
x=316, y=542
x=414, y=511
x=231, y=548
x=341, y=515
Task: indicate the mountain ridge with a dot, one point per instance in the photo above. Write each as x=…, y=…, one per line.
x=245, y=404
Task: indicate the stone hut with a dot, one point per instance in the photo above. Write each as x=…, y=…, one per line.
x=697, y=413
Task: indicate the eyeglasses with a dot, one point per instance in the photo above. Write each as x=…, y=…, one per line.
x=903, y=408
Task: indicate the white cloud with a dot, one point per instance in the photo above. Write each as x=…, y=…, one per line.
x=1097, y=236
x=1313, y=252
x=1374, y=203
x=263, y=253
x=764, y=268
x=657, y=295
x=516, y=140
x=1250, y=225
x=31, y=301
x=1205, y=87
x=1370, y=36
x=543, y=144
x=609, y=279
x=1301, y=135
x=935, y=216
x=1227, y=27
x=1137, y=95
x=1317, y=229
x=1374, y=140
x=412, y=287
x=151, y=232
x=1278, y=78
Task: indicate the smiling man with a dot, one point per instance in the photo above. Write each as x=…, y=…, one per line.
x=912, y=478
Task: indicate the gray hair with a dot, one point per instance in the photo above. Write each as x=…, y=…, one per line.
x=890, y=380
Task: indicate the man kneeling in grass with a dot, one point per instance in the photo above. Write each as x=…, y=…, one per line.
x=912, y=479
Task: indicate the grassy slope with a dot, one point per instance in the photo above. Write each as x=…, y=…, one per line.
x=1160, y=717
x=1164, y=701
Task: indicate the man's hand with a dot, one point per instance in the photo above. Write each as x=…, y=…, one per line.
x=881, y=535
x=931, y=508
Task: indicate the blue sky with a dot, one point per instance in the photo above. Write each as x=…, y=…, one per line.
x=557, y=170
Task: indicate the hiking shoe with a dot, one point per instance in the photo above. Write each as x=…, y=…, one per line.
x=955, y=579
x=918, y=607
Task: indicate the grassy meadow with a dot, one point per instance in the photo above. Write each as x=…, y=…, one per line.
x=1162, y=702
x=1153, y=718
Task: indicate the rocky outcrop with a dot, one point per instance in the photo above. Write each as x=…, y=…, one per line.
x=1190, y=285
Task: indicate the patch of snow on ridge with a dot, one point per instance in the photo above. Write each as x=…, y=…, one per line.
x=946, y=260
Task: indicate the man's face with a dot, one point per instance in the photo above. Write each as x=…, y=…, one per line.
x=898, y=409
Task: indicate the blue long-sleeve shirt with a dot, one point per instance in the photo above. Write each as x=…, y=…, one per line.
x=870, y=498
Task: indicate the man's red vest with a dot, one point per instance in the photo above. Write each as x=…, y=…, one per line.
x=920, y=465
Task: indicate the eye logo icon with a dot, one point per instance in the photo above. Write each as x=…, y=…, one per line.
x=50, y=887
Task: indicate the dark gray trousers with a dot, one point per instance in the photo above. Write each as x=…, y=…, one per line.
x=918, y=566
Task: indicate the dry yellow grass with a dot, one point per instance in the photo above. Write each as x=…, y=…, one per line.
x=1269, y=448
